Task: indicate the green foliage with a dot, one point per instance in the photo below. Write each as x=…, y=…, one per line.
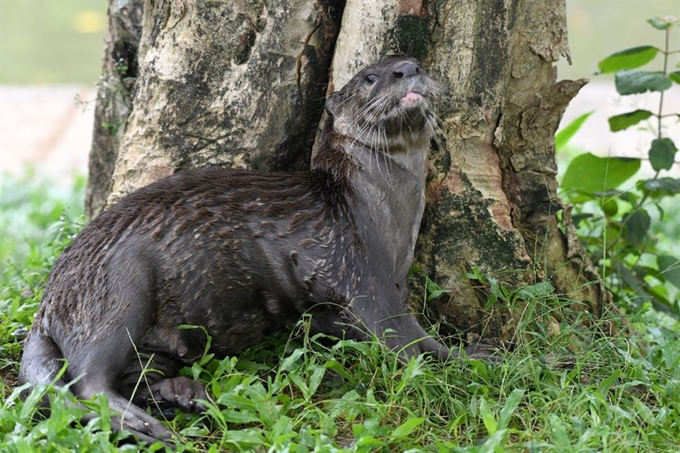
x=623, y=229
x=36, y=217
x=626, y=120
x=562, y=388
x=635, y=82
x=563, y=136
x=589, y=174
x=662, y=154
x=628, y=59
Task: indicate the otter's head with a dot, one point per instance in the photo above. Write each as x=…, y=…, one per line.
x=386, y=106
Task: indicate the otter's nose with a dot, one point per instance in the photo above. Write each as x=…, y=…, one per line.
x=406, y=69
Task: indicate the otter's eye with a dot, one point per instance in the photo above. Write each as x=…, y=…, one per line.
x=371, y=78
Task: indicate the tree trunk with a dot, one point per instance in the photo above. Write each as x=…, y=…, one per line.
x=114, y=99
x=492, y=198
x=242, y=83
x=237, y=83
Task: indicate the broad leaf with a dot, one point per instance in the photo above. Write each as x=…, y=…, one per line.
x=577, y=218
x=635, y=226
x=487, y=416
x=510, y=405
x=628, y=59
x=662, y=154
x=590, y=174
x=564, y=135
x=666, y=185
x=407, y=427
x=534, y=291
x=674, y=76
x=371, y=442
x=670, y=268
x=661, y=23
x=293, y=362
x=626, y=120
x=635, y=82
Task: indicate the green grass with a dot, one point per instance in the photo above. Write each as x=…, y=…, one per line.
x=562, y=388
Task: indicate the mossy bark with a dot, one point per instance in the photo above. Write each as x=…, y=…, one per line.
x=242, y=84
x=492, y=197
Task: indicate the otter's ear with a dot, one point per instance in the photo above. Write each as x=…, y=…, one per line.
x=333, y=103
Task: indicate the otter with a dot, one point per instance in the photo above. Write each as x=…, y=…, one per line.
x=243, y=254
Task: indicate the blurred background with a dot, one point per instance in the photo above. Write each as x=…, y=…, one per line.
x=51, y=58
x=51, y=54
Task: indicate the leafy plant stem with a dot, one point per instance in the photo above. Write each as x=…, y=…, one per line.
x=646, y=195
x=623, y=238
x=665, y=72
x=637, y=205
x=659, y=117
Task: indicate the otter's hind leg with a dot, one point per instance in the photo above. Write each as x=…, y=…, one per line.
x=151, y=380
x=40, y=364
x=99, y=359
x=163, y=396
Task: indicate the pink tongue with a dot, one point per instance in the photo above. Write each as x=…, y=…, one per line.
x=411, y=98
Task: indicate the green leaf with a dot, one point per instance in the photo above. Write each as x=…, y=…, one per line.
x=662, y=23
x=533, y=291
x=589, y=173
x=625, y=120
x=407, y=427
x=662, y=154
x=240, y=417
x=667, y=185
x=433, y=289
x=315, y=379
x=674, y=76
x=635, y=82
x=487, y=416
x=558, y=433
x=606, y=384
x=292, y=362
x=577, y=218
x=670, y=268
x=369, y=441
x=635, y=226
x=564, y=135
x=244, y=436
x=510, y=405
x=628, y=59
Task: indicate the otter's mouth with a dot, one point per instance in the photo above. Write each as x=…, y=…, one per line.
x=411, y=98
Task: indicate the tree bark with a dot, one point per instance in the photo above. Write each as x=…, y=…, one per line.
x=492, y=198
x=242, y=84
x=237, y=83
x=114, y=98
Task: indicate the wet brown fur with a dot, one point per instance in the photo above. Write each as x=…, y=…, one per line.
x=243, y=254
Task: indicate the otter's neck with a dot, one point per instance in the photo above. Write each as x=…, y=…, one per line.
x=384, y=189
x=391, y=190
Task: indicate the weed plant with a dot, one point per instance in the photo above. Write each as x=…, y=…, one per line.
x=563, y=388
x=631, y=230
